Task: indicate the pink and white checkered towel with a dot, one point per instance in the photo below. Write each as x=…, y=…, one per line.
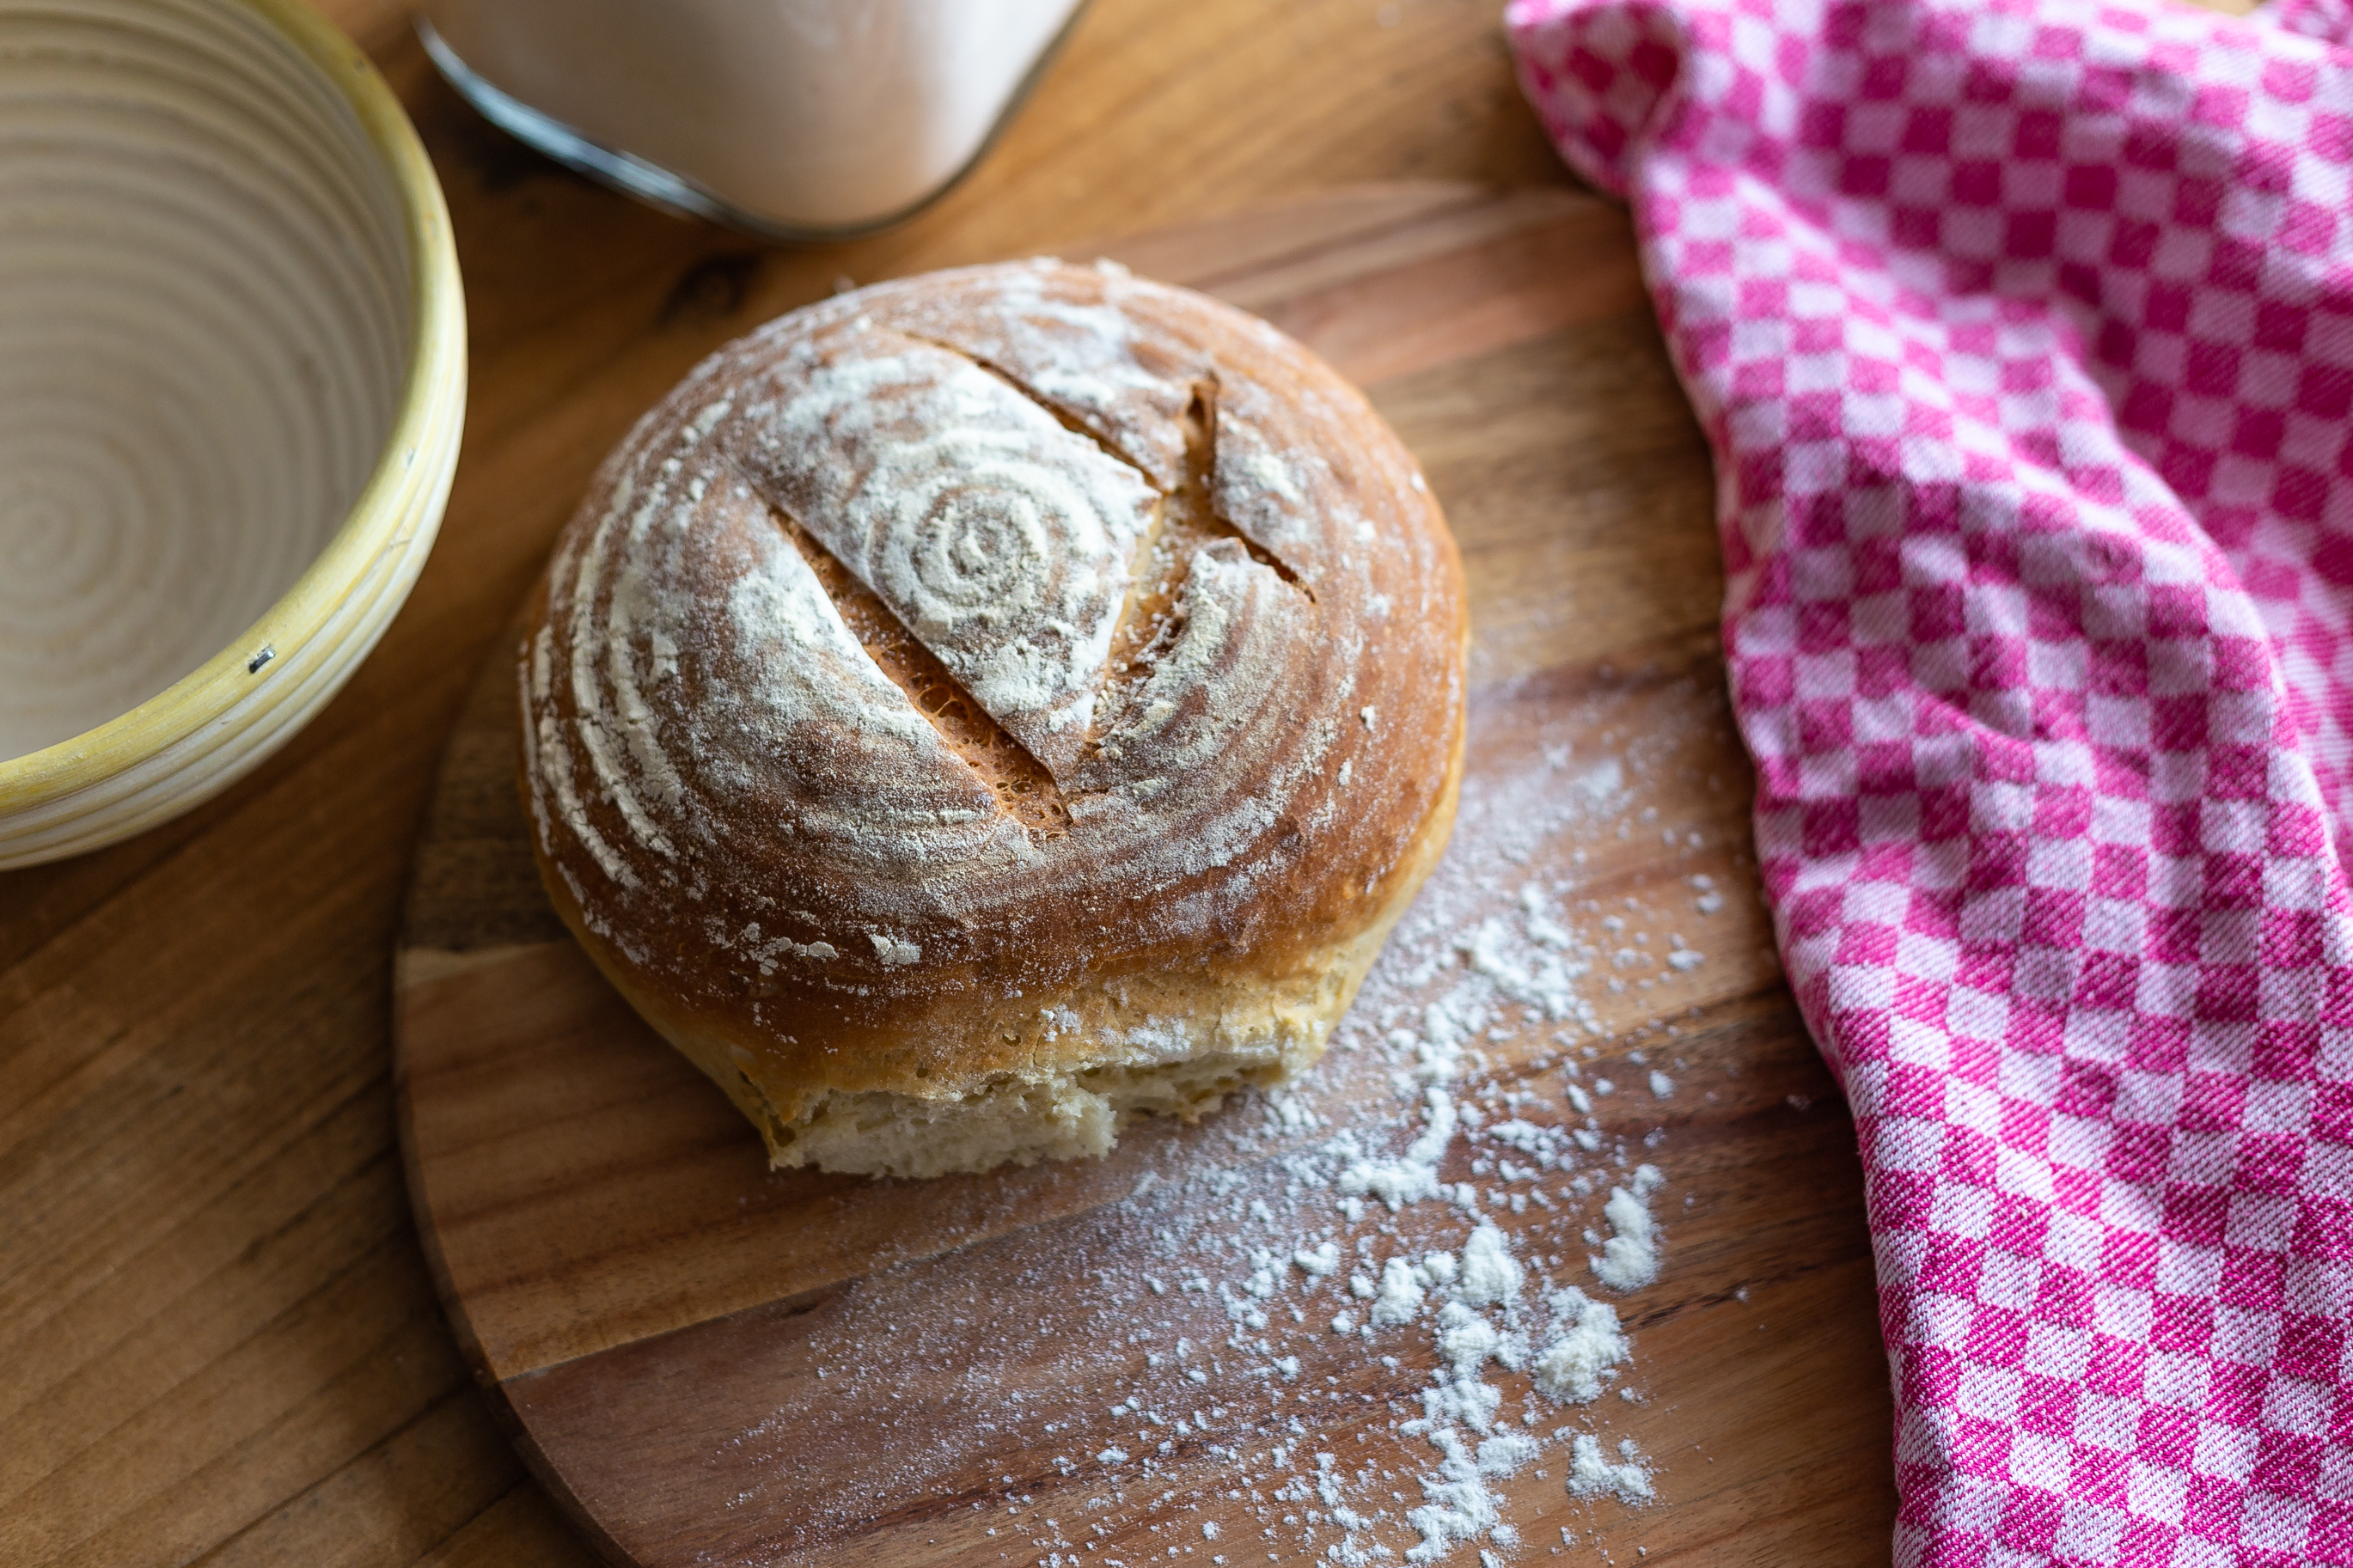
x=2023, y=333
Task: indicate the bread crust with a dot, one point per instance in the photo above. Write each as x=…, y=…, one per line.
x=987, y=679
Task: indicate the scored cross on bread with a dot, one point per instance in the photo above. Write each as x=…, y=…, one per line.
x=981, y=709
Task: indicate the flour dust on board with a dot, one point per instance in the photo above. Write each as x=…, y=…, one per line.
x=1376, y=1319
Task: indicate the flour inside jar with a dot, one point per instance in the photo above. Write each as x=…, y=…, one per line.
x=810, y=115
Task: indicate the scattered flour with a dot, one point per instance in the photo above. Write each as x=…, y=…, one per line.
x=1459, y=1508
x=1588, y=1349
x=1465, y=1340
x=1629, y=1258
x=1400, y=1297
x=1505, y=1452
x=1491, y=1275
x=1318, y=1261
x=1591, y=1474
x=1415, y=1203
x=1412, y=1176
x=1709, y=900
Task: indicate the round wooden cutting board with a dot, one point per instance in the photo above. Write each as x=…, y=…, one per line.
x=709, y=1362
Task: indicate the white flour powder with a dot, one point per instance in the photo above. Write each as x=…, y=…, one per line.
x=1250, y=1315
x=1588, y=1349
x=1629, y=1260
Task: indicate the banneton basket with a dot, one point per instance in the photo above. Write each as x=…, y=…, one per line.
x=232, y=379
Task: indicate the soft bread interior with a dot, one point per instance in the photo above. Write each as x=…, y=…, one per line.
x=1020, y=1118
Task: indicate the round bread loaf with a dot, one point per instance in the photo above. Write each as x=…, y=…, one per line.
x=981, y=709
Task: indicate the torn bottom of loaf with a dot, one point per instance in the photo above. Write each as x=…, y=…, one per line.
x=1070, y=1070
x=1021, y=1118
x=1083, y=1066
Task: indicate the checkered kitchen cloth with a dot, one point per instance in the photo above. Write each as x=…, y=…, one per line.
x=2023, y=333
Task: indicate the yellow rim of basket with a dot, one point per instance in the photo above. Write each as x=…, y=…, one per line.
x=437, y=367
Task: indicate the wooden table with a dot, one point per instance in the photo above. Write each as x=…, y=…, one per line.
x=221, y=1341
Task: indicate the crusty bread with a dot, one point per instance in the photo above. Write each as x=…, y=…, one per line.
x=981, y=709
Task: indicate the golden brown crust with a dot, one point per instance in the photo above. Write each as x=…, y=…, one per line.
x=1262, y=1027
x=960, y=647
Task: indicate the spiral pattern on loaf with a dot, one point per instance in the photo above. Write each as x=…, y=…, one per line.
x=999, y=538
x=976, y=540
x=877, y=581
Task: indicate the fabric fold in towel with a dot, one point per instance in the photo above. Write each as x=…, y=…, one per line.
x=2022, y=333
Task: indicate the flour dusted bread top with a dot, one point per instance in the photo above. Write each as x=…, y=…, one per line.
x=940, y=657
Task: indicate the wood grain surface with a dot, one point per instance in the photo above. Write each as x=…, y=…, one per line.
x=222, y=1339
x=658, y=1313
